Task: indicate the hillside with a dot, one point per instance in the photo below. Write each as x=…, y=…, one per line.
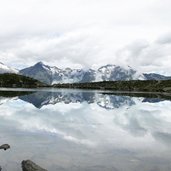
x=134, y=85
x=19, y=81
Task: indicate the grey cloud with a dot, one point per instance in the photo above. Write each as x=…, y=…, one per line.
x=163, y=137
x=84, y=48
x=166, y=39
x=80, y=47
x=147, y=57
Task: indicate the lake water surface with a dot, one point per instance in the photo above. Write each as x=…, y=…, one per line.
x=75, y=130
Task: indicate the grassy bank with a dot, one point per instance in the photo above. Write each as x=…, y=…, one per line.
x=19, y=81
x=133, y=85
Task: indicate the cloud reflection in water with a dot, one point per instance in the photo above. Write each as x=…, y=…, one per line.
x=75, y=130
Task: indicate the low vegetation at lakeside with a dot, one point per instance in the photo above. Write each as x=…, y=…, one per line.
x=19, y=81
x=132, y=85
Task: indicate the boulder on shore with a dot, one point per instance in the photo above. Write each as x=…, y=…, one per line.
x=28, y=165
x=5, y=146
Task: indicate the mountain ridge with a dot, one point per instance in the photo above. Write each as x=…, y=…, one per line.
x=53, y=75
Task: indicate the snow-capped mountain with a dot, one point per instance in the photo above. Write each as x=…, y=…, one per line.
x=115, y=73
x=6, y=69
x=42, y=72
x=53, y=75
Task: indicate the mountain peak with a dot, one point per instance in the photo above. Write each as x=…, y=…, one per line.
x=39, y=63
x=42, y=65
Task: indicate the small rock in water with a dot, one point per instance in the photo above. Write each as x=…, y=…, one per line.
x=5, y=146
x=28, y=165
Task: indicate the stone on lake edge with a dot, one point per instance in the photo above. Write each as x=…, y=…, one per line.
x=28, y=165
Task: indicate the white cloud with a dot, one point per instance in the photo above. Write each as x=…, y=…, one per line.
x=148, y=57
x=86, y=33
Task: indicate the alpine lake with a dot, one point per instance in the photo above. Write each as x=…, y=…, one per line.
x=81, y=130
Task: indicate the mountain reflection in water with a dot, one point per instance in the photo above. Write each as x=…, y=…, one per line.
x=75, y=130
x=104, y=100
x=39, y=99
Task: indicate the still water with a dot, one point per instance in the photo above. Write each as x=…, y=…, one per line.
x=75, y=130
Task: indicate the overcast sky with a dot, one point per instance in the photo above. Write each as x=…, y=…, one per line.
x=87, y=33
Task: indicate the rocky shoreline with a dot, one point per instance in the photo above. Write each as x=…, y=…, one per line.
x=27, y=165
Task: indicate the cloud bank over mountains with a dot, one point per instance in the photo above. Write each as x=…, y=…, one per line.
x=87, y=33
